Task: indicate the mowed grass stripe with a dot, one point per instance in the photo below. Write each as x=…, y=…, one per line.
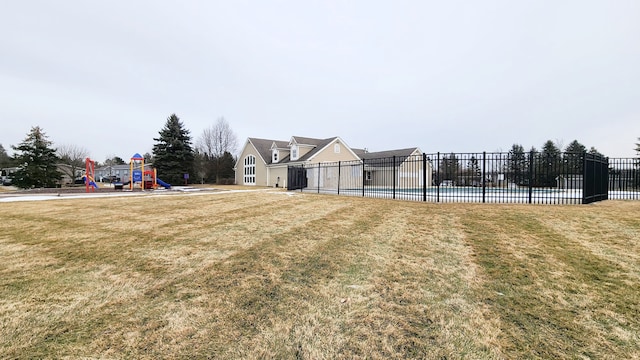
x=136, y=255
x=277, y=275
x=555, y=293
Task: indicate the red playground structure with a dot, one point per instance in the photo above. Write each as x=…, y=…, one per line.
x=90, y=172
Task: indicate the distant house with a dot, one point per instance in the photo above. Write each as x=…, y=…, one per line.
x=66, y=171
x=113, y=173
x=406, y=164
x=265, y=162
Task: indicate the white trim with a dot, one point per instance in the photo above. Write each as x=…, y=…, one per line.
x=255, y=149
x=337, y=138
x=249, y=170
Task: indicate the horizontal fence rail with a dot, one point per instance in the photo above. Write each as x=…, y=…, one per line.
x=533, y=178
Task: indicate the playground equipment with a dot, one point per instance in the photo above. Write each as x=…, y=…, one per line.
x=148, y=179
x=90, y=171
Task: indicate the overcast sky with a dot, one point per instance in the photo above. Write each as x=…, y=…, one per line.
x=440, y=75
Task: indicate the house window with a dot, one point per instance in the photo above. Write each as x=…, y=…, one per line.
x=294, y=152
x=367, y=175
x=274, y=156
x=336, y=148
x=250, y=170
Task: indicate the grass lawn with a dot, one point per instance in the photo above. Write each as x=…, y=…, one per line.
x=267, y=274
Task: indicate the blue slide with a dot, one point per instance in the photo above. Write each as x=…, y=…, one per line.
x=162, y=183
x=91, y=182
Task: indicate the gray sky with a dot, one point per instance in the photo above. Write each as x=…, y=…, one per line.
x=441, y=75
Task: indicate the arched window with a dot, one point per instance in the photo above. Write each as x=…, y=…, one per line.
x=250, y=170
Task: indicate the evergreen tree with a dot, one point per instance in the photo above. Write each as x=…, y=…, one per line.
x=172, y=152
x=595, y=151
x=517, y=164
x=225, y=168
x=200, y=166
x=148, y=158
x=448, y=168
x=638, y=146
x=117, y=160
x=474, y=171
x=547, y=169
x=573, y=156
x=37, y=161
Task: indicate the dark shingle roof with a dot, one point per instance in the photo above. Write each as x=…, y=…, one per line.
x=319, y=145
x=383, y=158
x=400, y=153
x=263, y=146
x=308, y=141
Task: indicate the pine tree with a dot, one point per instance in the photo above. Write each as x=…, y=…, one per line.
x=37, y=161
x=573, y=157
x=225, y=171
x=474, y=171
x=517, y=164
x=448, y=169
x=595, y=151
x=547, y=171
x=173, y=153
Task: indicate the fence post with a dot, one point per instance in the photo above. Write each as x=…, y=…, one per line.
x=363, y=177
x=585, y=178
x=484, y=175
x=394, y=176
x=438, y=180
x=339, y=167
x=318, y=178
x=530, y=176
x=424, y=177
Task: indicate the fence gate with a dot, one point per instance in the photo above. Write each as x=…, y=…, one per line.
x=596, y=178
x=296, y=178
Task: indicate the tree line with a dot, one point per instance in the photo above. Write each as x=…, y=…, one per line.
x=535, y=167
x=174, y=154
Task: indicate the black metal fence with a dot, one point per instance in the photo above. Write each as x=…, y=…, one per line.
x=534, y=178
x=624, y=178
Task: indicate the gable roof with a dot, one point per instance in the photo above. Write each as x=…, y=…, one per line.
x=403, y=153
x=300, y=140
x=319, y=145
x=379, y=157
x=263, y=147
x=279, y=144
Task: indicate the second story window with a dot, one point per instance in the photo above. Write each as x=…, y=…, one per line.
x=294, y=152
x=274, y=156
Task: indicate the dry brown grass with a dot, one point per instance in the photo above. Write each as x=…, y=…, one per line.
x=271, y=275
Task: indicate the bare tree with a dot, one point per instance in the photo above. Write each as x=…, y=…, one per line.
x=74, y=156
x=217, y=139
x=213, y=143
